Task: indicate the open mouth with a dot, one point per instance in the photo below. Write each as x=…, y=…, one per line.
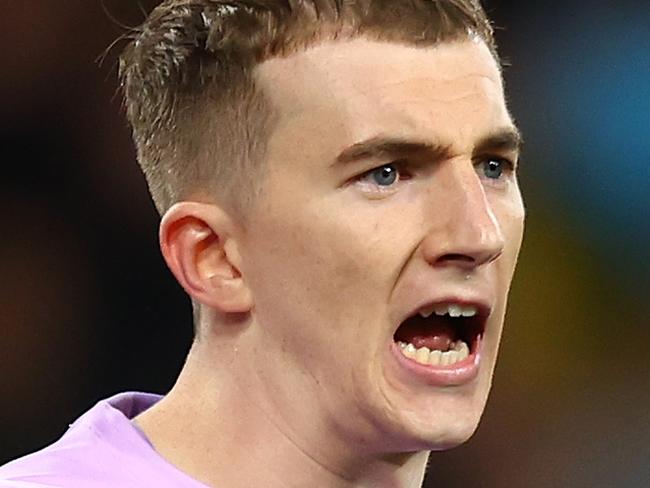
x=443, y=334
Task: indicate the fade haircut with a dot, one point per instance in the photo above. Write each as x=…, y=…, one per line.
x=200, y=123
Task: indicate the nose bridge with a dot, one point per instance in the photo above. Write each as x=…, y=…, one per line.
x=469, y=234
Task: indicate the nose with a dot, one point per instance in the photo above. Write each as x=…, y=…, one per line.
x=464, y=231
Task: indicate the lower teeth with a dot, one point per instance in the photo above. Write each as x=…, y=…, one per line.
x=457, y=352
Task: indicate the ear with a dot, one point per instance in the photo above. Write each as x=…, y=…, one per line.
x=198, y=243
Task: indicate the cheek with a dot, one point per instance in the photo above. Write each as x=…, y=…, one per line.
x=321, y=267
x=510, y=213
x=511, y=219
x=317, y=299
x=308, y=269
x=515, y=215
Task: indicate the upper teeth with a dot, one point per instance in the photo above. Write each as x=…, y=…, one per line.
x=451, y=309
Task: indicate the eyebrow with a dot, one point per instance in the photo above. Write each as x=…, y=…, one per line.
x=382, y=146
x=506, y=139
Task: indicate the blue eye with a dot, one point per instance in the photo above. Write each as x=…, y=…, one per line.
x=384, y=176
x=493, y=168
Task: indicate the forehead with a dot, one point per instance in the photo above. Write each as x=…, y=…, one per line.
x=339, y=92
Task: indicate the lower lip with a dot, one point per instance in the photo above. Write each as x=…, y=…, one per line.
x=457, y=374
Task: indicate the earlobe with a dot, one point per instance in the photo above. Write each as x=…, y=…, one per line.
x=198, y=244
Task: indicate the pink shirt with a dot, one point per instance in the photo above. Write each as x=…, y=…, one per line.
x=101, y=449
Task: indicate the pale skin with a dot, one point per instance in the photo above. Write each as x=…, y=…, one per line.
x=293, y=381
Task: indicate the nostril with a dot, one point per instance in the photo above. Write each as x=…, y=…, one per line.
x=455, y=258
x=467, y=260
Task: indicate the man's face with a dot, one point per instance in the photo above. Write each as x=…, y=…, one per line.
x=388, y=189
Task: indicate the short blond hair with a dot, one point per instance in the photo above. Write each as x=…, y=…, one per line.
x=200, y=124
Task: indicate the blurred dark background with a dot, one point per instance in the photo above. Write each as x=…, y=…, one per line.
x=88, y=309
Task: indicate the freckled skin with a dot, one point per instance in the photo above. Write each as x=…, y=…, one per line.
x=333, y=268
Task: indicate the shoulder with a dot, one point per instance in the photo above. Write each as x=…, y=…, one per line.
x=100, y=449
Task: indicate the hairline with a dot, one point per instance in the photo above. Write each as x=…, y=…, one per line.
x=262, y=88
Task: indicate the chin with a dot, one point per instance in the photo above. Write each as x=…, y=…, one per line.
x=440, y=424
x=445, y=434
x=451, y=437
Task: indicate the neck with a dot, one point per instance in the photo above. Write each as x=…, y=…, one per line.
x=222, y=432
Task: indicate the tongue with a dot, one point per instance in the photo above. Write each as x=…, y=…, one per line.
x=436, y=335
